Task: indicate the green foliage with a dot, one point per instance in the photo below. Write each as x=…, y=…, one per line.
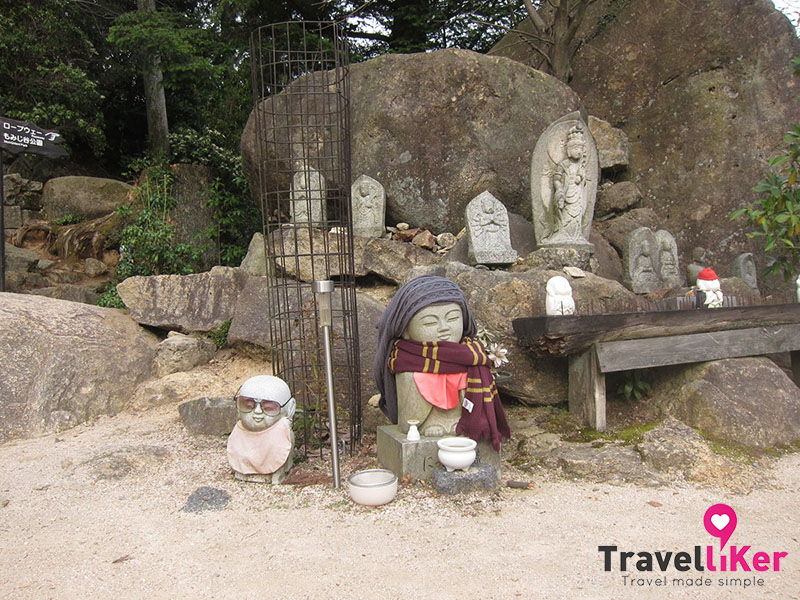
x=147, y=245
x=634, y=385
x=110, y=298
x=220, y=336
x=776, y=215
x=69, y=219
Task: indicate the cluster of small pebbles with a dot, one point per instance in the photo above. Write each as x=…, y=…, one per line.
x=440, y=244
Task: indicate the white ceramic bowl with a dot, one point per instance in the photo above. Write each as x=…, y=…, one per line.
x=456, y=452
x=372, y=487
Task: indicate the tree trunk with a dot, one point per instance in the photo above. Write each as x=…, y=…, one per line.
x=155, y=101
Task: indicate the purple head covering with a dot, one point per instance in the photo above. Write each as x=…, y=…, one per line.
x=408, y=301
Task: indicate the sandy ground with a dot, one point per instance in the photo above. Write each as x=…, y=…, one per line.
x=96, y=512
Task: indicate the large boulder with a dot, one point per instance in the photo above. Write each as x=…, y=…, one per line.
x=198, y=302
x=704, y=91
x=437, y=129
x=192, y=214
x=89, y=197
x=748, y=401
x=64, y=363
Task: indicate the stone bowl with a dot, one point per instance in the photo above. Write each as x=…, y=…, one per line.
x=457, y=452
x=372, y=487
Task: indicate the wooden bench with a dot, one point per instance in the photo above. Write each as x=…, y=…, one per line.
x=600, y=344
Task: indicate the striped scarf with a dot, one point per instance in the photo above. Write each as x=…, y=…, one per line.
x=483, y=417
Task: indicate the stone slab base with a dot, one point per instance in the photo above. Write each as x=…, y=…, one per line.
x=419, y=459
x=480, y=477
x=555, y=259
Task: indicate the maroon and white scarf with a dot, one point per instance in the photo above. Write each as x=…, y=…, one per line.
x=482, y=417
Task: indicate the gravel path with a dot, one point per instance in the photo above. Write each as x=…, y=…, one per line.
x=95, y=512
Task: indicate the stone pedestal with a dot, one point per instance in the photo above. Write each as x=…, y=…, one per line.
x=419, y=459
x=555, y=259
x=480, y=477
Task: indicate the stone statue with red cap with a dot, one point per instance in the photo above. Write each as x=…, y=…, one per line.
x=709, y=294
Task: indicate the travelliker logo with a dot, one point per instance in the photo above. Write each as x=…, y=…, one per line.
x=707, y=563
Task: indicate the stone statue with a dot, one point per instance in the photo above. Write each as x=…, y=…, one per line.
x=668, y=259
x=559, y=299
x=308, y=197
x=564, y=176
x=640, y=261
x=261, y=445
x=488, y=232
x=429, y=368
x=744, y=267
x=369, y=207
x=709, y=294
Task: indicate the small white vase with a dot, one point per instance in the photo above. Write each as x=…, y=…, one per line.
x=413, y=432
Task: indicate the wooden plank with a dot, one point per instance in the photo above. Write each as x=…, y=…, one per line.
x=562, y=336
x=655, y=352
x=587, y=389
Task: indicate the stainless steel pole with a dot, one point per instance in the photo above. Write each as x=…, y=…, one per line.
x=323, y=291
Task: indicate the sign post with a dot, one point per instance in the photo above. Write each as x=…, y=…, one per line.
x=18, y=137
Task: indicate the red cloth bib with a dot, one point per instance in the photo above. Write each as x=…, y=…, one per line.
x=441, y=390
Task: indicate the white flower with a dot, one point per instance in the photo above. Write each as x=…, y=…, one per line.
x=498, y=355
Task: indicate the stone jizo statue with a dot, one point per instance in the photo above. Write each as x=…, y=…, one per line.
x=488, y=232
x=564, y=175
x=261, y=445
x=668, y=269
x=744, y=267
x=369, y=207
x=308, y=197
x=559, y=299
x=428, y=366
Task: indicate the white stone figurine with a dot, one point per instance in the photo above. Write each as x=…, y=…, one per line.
x=559, y=299
x=710, y=293
x=261, y=445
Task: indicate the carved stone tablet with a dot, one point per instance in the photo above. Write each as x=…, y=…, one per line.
x=369, y=207
x=488, y=232
x=744, y=267
x=668, y=259
x=564, y=176
x=308, y=197
x=640, y=261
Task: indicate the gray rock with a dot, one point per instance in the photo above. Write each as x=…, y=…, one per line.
x=555, y=259
x=610, y=463
x=65, y=363
x=609, y=263
x=89, y=197
x=22, y=192
x=476, y=111
x=44, y=264
x=181, y=352
x=208, y=416
x=748, y=401
x=199, y=302
x=20, y=260
x=617, y=198
x=612, y=144
x=93, y=267
x=13, y=218
x=206, y=498
x=255, y=262
x=480, y=477
x=617, y=230
x=446, y=240
x=70, y=292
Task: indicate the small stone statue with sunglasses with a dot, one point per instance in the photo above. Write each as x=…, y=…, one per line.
x=261, y=445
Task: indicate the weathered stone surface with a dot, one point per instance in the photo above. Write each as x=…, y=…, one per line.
x=65, y=363
x=255, y=262
x=480, y=477
x=199, y=302
x=609, y=263
x=618, y=197
x=555, y=259
x=22, y=192
x=617, y=230
x=89, y=197
x=70, y=292
x=488, y=231
x=93, y=267
x=369, y=207
x=640, y=259
x=192, y=215
x=13, y=218
x=744, y=267
x=424, y=239
x=21, y=260
x=613, y=464
x=612, y=144
x=480, y=116
x=748, y=401
x=181, y=352
x=498, y=297
x=208, y=416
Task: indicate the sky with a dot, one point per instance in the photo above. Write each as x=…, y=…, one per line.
x=791, y=8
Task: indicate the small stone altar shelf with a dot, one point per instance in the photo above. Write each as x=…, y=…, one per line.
x=605, y=343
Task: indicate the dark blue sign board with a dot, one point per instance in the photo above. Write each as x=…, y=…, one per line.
x=18, y=137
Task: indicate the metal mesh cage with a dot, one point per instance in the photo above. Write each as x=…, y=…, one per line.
x=302, y=99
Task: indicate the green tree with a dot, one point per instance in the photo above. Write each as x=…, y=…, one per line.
x=776, y=215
